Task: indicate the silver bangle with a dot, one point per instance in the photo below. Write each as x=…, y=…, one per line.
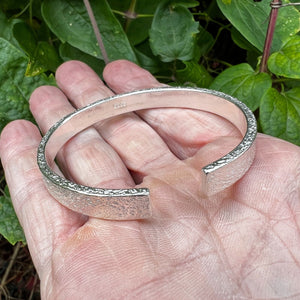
x=134, y=203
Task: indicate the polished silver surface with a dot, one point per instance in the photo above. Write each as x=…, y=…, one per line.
x=126, y=204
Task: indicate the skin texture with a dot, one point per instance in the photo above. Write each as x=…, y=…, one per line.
x=241, y=244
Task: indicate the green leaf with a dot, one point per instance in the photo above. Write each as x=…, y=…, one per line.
x=148, y=60
x=10, y=227
x=253, y=58
x=251, y=20
x=152, y=64
x=137, y=29
x=239, y=39
x=242, y=82
x=67, y=52
x=25, y=37
x=173, y=32
x=15, y=89
x=120, y=6
x=69, y=20
x=193, y=75
x=226, y=1
x=6, y=27
x=292, y=83
x=286, y=62
x=204, y=41
x=139, y=17
x=184, y=3
x=43, y=56
x=280, y=114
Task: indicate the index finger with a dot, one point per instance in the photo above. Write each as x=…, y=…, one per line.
x=44, y=220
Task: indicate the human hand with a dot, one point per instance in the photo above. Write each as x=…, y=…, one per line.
x=244, y=243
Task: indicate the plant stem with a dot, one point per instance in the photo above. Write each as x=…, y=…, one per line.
x=22, y=11
x=34, y=287
x=30, y=12
x=217, y=36
x=10, y=265
x=275, y=4
x=130, y=14
x=205, y=17
x=125, y=14
x=96, y=31
x=282, y=80
x=290, y=4
x=223, y=62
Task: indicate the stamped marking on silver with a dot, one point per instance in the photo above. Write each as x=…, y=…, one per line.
x=120, y=105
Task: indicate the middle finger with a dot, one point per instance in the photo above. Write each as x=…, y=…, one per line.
x=140, y=147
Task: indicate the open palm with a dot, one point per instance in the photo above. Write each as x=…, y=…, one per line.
x=244, y=243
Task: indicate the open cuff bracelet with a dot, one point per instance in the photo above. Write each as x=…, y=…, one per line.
x=134, y=203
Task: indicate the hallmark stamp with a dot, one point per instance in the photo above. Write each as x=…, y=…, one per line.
x=120, y=105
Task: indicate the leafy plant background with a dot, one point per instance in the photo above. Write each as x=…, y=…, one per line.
x=214, y=44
